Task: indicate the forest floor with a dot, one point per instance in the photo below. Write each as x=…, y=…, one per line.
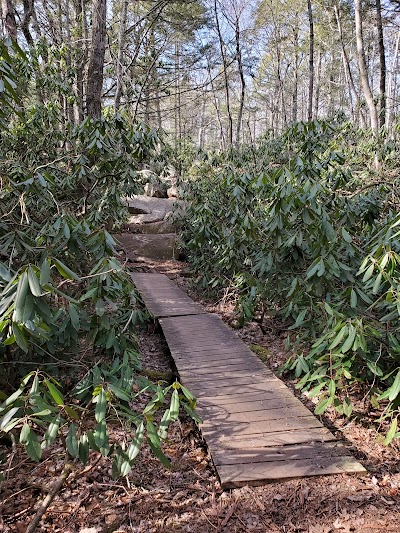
x=188, y=497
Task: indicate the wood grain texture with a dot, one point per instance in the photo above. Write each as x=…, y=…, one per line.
x=257, y=431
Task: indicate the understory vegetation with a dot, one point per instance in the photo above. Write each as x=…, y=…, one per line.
x=68, y=308
x=302, y=228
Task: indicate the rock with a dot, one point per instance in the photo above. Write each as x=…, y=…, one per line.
x=150, y=246
x=137, y=210
x=157, y=227
x=155, y=191
x=148, y=175
x=172, y=192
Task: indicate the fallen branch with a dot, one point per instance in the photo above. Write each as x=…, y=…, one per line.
x=49, y=498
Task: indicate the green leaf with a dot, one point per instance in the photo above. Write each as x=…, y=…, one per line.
x=19, y=303
x=11, y=399
x=7, y=417
x=377, y=283
x=20, y=337
x=346, y=235
x=338, y=338
x=72, y=441
x=134, y=448
x=368, y=273
x=314, y=391
x=174, y=407
x=153, y=435
x=34, y=284
x=187, y=393
x=353, y=299
x=33, y=447
x=391, y=433
x=100, y=434
x=74, y=317
x=332, y=387
x=71, y=412
x=45, y=272
x=350, y=339
x=159, y=454
x=394, y=390
x=55, y=393
x=323, y=405
x=64, y=271
x=164, y=424
x=119, y=393
x=347, y=407
x=51, y=432
x=84, y=448
x=101, y=406
x=24, y=435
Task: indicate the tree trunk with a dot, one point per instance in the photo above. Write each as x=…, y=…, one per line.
x=390, y=92
x=226, y=81
x=121, y=44
x=242, y=80
x=296, y=70
x=311, y=62
x=382, y=65
x=349, y=76
x=362, y=65
x=94, y=85
x=318, y=84
x=8, y=14
x=28, y=13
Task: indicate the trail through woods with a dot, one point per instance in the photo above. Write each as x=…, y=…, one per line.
x=188, y=497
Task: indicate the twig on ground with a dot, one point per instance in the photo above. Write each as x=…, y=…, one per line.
x=49, y=498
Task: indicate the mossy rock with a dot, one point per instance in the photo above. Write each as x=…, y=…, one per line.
x=262, y=353
x=156, y=375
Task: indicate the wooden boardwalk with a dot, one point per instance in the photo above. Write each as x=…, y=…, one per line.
x=256, y=430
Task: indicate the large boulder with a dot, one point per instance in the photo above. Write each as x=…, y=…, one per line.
x=172, y=192
x=155, y=190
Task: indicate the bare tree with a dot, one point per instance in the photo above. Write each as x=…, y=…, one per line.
x=225, y=72
x=362, y=65
x=8, y=15
x=382, y=65
x=310, y=62
x=121, y=44
x=94, y=85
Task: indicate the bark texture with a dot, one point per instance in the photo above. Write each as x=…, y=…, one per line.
x=94, y=85
x=362, y=65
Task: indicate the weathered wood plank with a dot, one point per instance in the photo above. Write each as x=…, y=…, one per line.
x=233, y=476
x=162, y=297
x=267, y=454
x=230, y=426
x=275, y=438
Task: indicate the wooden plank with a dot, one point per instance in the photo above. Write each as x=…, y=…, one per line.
x=230, y=426
x=275, y=438
x=267, y=454
x=249, y=406
x=200, y=372
x=233, y=381
x=243, y=389
x=162, y=297
x=233, y=476
x=208, y=374
x=269, y=412
x=206, y=362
